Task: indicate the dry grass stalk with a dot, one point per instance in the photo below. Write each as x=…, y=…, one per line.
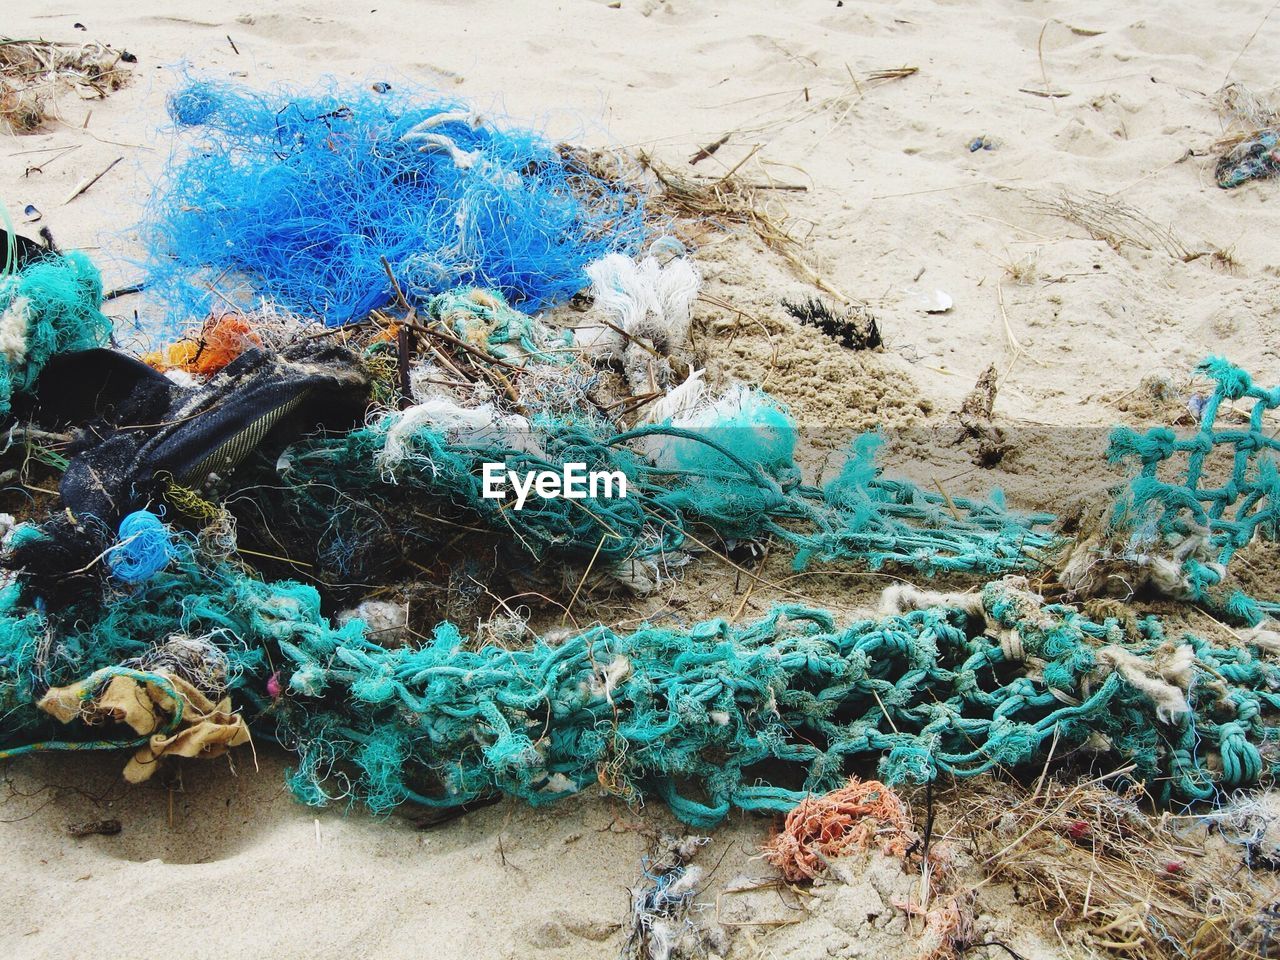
x=34, y=72
x=1244, y=113
x=808, y=102
x=1225, y=257
x=1129, y=883
x=732, y=200
x=1025, y=270
x=1117, y=223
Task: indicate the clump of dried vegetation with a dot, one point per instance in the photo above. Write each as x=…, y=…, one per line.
x=691, y=203
x=1114, y=222
x=854, y=327
x=33, y=73
x=733, y=199
x=1245, y=114
x=694, y=201
x=1125, y=881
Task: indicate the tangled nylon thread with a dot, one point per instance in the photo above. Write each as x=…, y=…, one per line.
x=824, y=827
x=144, y=549
x=219, y=341
x=304, y=195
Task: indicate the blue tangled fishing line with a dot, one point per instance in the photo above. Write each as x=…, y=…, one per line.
x=297, y=198
x=144, y=549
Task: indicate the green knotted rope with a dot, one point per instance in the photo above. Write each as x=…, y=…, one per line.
x=706, y=717
x=1171, y=500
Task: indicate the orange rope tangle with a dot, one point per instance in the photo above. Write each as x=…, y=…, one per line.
x=219, y=341
x=825, y=827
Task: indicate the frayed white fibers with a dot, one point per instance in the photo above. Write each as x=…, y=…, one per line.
x=743, y=420
x=421, y=377
x=14, y=325
x=646, y=299
x=679, y=402
x=675, y=288
x=1265, y=636
x=447, y=415
x=606, y=678
x=1164, y=678
x=738, y=403
x=618, y=291
x=904, y=597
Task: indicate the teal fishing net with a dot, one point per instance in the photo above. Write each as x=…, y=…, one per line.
x=22, y=630
x=1204, y=496
x=707, y=717
x=49, y=307
x=712, y=716
x=727, y=482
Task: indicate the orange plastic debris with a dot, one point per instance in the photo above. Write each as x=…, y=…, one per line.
x=851, y=818
x=219, y=341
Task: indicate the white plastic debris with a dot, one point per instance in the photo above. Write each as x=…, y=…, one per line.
x=937, y=302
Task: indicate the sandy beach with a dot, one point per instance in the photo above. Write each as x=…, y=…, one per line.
x=873, y=168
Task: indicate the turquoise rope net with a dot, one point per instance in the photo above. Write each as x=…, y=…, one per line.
x=1220, y=484
x=712, y=716
x=707, y=717
x=710, y=491
x=49, y=307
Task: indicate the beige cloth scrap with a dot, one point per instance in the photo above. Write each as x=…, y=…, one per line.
x=207, y=729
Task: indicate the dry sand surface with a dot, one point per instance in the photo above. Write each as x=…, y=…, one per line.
x=221, y=862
